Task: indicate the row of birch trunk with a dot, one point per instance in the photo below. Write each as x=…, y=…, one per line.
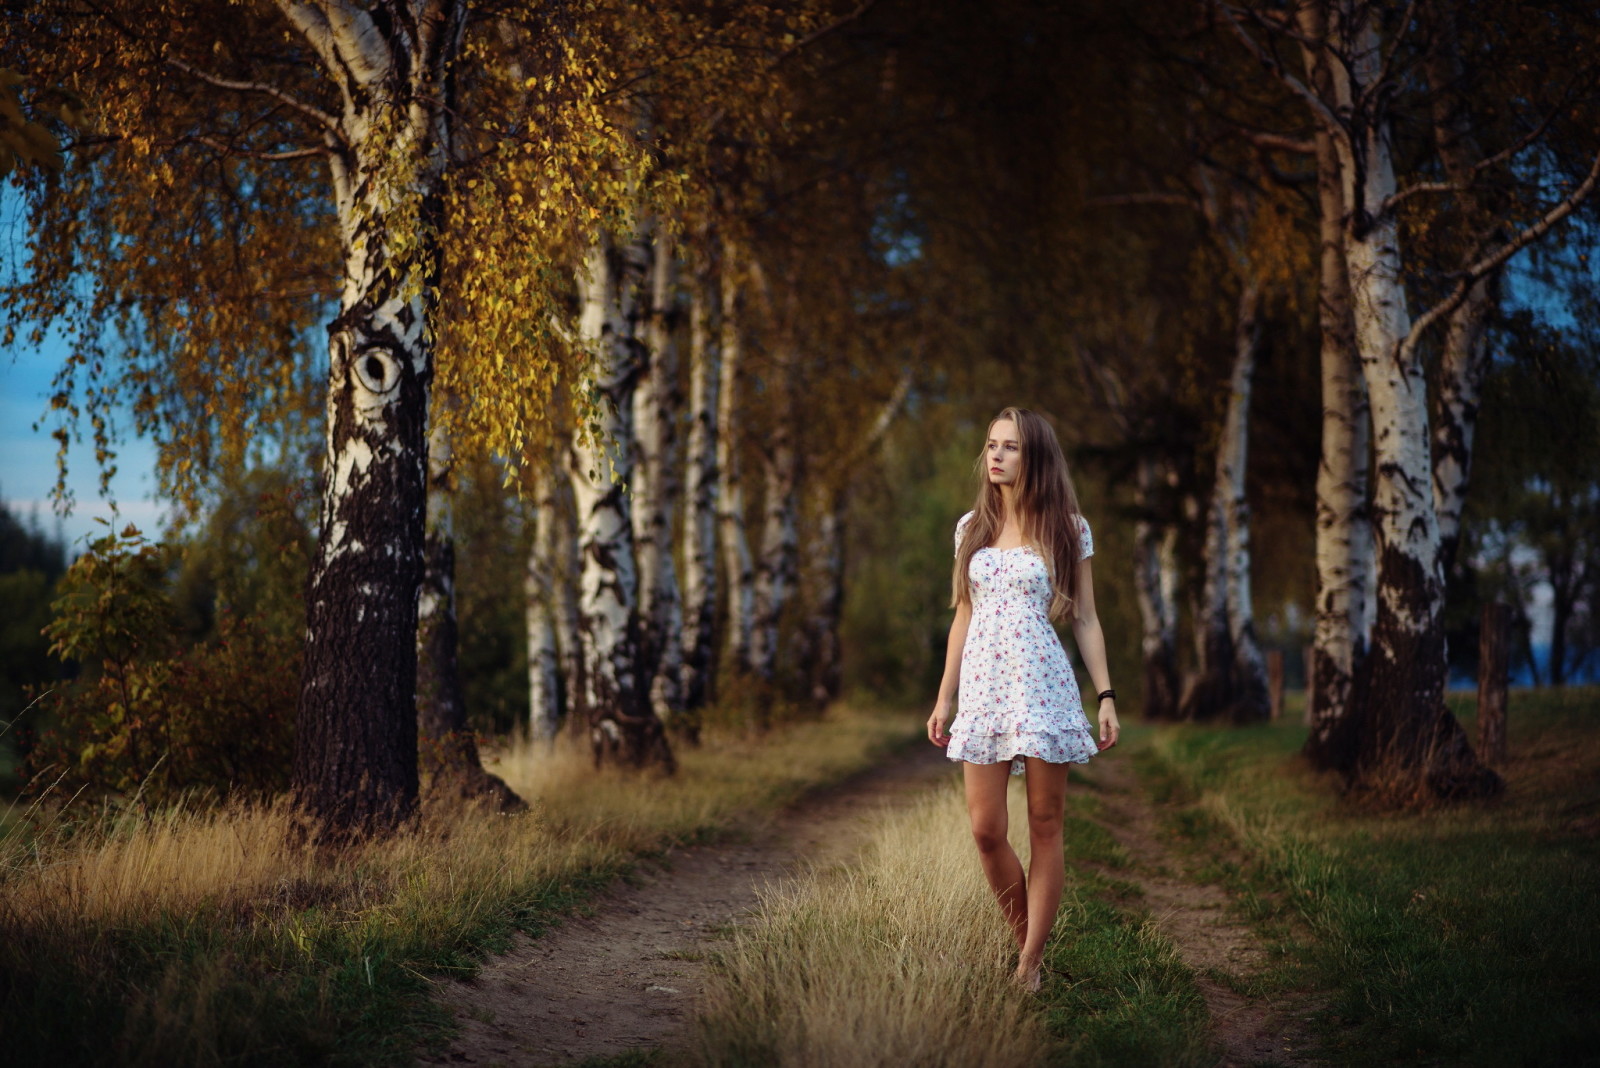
x=665, y=565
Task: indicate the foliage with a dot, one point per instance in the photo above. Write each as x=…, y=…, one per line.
x=151, y=718
x=30, y=564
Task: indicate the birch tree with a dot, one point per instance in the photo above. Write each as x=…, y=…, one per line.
x=374, y=96
x=1415, y=745
x=657, y=404
x=613, y=291
x=702, y=501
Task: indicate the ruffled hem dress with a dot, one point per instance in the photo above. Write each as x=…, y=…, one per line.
x=1018, y=695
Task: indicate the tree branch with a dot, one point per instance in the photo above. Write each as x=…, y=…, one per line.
x=1319, y=107
x=1470, y=276
x=250, y=153
x=322, y=118
x=1483, y=164
x=1120, y=199
x=1262, y=139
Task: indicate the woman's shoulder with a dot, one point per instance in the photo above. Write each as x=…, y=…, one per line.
x=961, y=528
x=1085, y=537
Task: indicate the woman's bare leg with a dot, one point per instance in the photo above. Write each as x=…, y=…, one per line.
x=986, y=809
x=1047, y=798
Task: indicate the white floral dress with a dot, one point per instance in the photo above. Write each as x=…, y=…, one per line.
x=1018, y=695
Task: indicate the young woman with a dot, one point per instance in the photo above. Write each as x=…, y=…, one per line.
x=1022, y=561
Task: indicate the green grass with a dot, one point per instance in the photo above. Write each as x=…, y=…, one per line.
x=1466, y=935
x=1126, y=998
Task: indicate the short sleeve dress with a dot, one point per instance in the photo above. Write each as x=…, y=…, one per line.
x=1018, y=695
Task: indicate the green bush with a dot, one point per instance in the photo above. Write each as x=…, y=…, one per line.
x=151, y=717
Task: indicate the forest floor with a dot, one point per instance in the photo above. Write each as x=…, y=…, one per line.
x=624, y=977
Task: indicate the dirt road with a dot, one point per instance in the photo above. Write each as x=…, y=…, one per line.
x=626, y=977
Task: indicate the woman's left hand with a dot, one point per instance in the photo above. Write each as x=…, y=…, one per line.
x=1110, y=729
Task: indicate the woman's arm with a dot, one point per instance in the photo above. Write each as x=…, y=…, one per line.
x=1092, y=647
x=953, y=649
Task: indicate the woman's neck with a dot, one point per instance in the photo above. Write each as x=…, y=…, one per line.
x=1008, y=506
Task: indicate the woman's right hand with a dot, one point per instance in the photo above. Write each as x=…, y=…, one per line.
x=937, y=722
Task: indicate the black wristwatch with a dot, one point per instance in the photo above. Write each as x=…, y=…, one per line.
x=1103, y=694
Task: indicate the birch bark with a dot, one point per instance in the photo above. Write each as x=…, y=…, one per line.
x=737, y=564
x=1344, y=547
x=544, y=573
x=656, y=404
x=775, y=574
x=1414, y=743
x=1233, y=680
x=355, y=764
x=616, y=699
x=703, y=498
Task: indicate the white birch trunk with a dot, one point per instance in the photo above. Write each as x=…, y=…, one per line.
x=702, y=498
x=738, y=567
x=544, y=573
x=622, y=725
x=1251, y=701
x=775, y=574
x=1344, y=547
x=1414, y=736
x=355, y=765
x=656, y=404
x=1232, y=678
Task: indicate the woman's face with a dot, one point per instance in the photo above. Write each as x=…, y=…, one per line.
x=1003, y=454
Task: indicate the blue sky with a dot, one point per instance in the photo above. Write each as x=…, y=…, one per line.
x=28, y=456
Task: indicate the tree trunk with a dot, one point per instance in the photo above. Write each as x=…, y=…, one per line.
x=656, y=404
x=1251, y=701
x=702, y=500
x=448, y=749
x=1155, y=570
x=1494, y=660
x=355, y=762
x=737, y=566
x=616, y=698
x=823, y=661
x=544, y=574
x=775, y=576
x=1344, y=528
x=1410, y=744
x=1233, y=679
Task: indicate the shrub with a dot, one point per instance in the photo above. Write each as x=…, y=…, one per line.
x=150, y=717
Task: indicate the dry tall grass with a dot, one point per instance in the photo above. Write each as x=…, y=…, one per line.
x=176, y=925
x=901, y=959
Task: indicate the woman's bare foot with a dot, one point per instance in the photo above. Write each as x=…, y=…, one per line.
x=1027, y=974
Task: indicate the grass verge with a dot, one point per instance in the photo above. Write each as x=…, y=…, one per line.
x=1466, y=935
x=901, y=958
x=202, y=938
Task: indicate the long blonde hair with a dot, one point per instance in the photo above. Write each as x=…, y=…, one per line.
x=1047, y=507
